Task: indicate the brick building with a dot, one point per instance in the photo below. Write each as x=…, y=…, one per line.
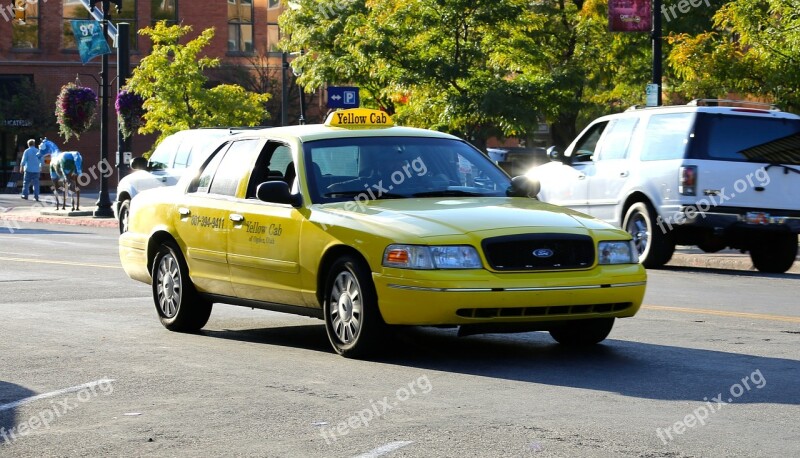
x=38, y=55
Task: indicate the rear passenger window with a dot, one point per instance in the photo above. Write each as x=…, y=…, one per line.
x=234, y=166
x=618, y=136
x=666, y=136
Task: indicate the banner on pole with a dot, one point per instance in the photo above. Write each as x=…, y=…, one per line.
x=629, y=16
x=90, y=39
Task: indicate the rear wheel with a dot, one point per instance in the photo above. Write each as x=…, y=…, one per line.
x=179, y=306
x=583, y=332
x=124, y=210
x=353, y=322
x=654, y=244
x=775, y=254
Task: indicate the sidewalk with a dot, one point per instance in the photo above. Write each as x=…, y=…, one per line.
x=14, y=209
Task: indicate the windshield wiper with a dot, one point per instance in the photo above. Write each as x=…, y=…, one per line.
x=448, y=193
x=786, y=168
x=378, y=195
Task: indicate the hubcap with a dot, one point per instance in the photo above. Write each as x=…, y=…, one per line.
x=637, y=227
x=168, y=289
x=346, y=307
x=124, y=219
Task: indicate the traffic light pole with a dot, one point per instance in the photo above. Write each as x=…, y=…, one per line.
x=656, y=38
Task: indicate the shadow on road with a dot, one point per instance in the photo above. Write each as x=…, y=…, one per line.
x=634, y=369
x=731, y=272
x=10, y=393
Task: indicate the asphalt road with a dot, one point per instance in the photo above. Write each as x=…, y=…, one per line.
x=87, y=370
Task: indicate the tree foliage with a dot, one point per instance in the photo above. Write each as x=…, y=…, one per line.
x=752, y=48
x=474, y=68
x=171, y=80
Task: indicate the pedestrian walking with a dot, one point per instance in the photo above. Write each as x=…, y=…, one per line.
x=31, y=164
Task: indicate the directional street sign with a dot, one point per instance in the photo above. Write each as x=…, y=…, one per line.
x=343, y=97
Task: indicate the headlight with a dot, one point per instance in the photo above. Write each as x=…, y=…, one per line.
x=431, y=257
x=617, y=252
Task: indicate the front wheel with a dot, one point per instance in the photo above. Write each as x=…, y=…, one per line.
x=583, y=332
x=775, y=254
x=654, y=243
x=179, y=306
x=353, y=322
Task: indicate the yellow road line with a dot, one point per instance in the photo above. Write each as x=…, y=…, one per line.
x=60, y=263
x=754, y=316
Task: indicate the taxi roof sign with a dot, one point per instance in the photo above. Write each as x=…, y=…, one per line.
x=359, y=118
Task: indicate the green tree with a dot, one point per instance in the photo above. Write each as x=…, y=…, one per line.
x=474, y=68
x=171, y=80
x=753, y=48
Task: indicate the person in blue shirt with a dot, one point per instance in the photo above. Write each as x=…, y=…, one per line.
x=31, y=165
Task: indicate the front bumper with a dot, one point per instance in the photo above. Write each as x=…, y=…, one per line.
x=480, y=296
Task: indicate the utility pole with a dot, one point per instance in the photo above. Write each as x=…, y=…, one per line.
x=656, y=38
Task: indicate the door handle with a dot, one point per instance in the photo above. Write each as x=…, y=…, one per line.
x=236, y=218
x=623, y=173
x=184, y=212
x=581, y=176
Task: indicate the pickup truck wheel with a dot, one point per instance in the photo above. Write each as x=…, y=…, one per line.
x=124, y=210
x=352, y=320
x=655, y=245
x=583, y=332
x=775, y=254
x=179, y=306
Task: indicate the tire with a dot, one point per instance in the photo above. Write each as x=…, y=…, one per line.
x=775, y=254
x=124, y=212
x=353, y=321
x=655, y=245
x=179, y=306
x=583, y=332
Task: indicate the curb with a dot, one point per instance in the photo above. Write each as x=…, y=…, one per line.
x=716, y=261
x=65, y=220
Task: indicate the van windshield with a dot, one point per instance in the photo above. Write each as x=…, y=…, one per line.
x=747, y=138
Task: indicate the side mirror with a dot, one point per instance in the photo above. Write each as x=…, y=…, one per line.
x=139, y=163
x=278, y=192
x=523, y=186
x=554, y=154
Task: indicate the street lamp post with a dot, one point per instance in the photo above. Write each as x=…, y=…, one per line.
x=103, y=209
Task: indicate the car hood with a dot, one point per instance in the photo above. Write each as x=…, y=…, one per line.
x=433, y=217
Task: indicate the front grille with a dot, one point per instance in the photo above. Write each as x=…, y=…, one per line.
x=542, y=311
x=539, y=252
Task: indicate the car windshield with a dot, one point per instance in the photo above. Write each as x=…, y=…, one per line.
x=370, y=168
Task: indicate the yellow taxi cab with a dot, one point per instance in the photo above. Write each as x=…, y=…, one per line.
x=367, y=225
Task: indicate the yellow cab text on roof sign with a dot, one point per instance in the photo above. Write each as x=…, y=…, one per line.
x=359, y=118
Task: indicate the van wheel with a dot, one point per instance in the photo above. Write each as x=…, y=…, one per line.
x=583, y=332
x=124, y=210
x=655, y=246
x=179, y=306
x=353, y=322
x=775, y=254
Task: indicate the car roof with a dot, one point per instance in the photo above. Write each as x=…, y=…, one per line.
x=312, y=132
x=732, y=110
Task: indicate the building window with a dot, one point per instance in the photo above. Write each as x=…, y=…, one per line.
x=240, y=25
x=73, y=9
x=273, y=37
x=164, y=10
x=25, y=26
x=274, y=4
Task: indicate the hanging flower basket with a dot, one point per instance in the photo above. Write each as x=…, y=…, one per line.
x=130, y=111
x=76, y=107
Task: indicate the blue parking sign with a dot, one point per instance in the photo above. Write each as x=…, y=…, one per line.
x=343, y=97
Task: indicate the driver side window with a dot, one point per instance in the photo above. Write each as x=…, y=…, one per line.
x=587, y=145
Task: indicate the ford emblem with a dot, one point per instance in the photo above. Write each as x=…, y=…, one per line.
x=543, y=252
